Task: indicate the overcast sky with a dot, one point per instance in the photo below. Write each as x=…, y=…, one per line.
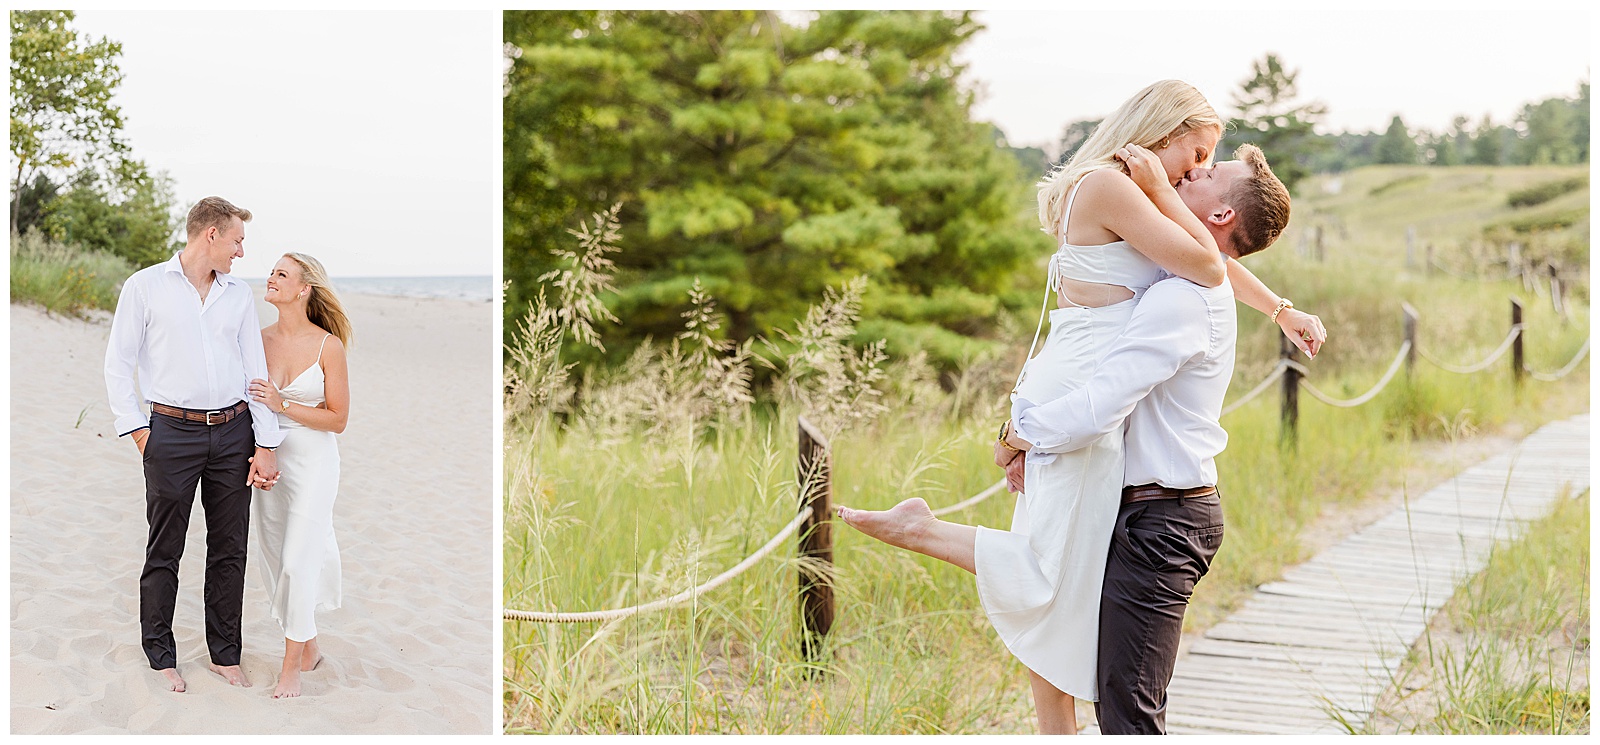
x=1042, y=69
x=368, y=140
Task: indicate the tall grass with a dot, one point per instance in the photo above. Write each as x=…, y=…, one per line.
x=626, y=486
x=1510, y=653
x=63, y=278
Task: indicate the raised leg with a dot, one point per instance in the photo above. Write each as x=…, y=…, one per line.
x=912, y=526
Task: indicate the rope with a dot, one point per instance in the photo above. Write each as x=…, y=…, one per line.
x=1394, y=367
x=1277, y=372
x=1480, y=366
x=1562, y=373
x=682, y=597
x=972, y=500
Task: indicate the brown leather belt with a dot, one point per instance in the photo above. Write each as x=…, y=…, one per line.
x=208, y=418
x=1146, y=492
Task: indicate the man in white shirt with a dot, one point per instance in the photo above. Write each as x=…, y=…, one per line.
x=1164, y=382
x=191, y=332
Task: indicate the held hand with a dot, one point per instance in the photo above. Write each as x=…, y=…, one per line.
x=264, y=393
x=1003, y=455
x=1014, y=474
x=139, y=437
x=1304, y=329
x=1145, y=168
x=264, y=472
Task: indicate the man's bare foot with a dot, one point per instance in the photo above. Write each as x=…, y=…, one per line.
x=904, y=525
x=311, y=656
x=232, y=674
x=288, y=684
x=174, y=680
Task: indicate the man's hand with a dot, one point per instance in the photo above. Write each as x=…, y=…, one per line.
x=263, y=470
x=1145, y=168
x=1014, y=474
x=1004, y=455
x=1304, y=329
x=139, y=436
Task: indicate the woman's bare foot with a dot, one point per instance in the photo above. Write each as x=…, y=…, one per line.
x=310, y=656
x=232, y=674
x=174, y=680
x=288, y=683
x=905, y=525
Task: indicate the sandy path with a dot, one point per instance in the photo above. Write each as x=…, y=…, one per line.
x=411, y=649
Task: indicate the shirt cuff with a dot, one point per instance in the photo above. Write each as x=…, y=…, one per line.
x=127, y=424
x=1045, y=441
x=269, y=441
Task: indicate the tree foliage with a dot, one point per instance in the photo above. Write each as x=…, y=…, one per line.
x=770, y=161
x=1397, y=145
x=72, y=172
x=1271, y=118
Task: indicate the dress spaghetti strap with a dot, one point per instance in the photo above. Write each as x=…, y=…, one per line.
x=320, y=348
x=1052, y=279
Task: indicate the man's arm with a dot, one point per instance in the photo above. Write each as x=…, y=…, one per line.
x=254, y=355
x=1169, y=328
x=122, y=359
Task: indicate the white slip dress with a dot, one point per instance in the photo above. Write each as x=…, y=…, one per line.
x=1040, y=582
x=294, y=521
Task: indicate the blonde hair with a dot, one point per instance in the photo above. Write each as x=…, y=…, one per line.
x=1261, y=203
x=1164, y=110
x=212, y=212
x=322, y=305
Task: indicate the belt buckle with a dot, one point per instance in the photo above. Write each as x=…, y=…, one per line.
x=210, y=423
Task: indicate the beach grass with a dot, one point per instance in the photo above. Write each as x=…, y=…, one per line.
x=63, y=278
x=1510, y=652
x=607, y=517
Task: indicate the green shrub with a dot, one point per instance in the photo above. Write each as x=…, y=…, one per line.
x=64, y=278
x=1541, y=193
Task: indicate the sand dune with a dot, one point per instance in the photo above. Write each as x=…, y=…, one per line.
x=411, y=649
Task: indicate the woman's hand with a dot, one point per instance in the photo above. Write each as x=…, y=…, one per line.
x=264, y=393
x=1145, y=168
x=1304, y=329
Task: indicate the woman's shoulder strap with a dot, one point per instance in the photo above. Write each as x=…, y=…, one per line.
x=324, y=346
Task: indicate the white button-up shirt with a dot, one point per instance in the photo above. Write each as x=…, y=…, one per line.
x=1165, y=378
x=188, y=353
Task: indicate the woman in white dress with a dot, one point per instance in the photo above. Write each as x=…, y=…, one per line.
x=310, y=390
x=1040, y=582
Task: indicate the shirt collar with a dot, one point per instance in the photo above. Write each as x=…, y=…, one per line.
x=175, y=266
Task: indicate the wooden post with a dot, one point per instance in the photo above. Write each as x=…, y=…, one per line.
x=1409, y=324
x=815, y=477
x=1318, y=244
x=1516, y=344
x=1556, y=301
x=1411, y=246
x=1288, y=433
x=1514, y=259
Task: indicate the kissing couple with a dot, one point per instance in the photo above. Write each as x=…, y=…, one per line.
x=246, y=414
x=1114, y=427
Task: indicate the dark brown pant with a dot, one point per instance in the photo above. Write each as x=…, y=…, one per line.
x=1159, y=550
x=179, y=456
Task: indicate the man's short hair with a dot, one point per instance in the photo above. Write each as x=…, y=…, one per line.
x=213, y=212
x=1261, y=203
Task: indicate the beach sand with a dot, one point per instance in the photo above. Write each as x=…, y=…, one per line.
x=410, y=651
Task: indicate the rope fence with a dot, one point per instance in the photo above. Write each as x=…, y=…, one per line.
x=815, y=480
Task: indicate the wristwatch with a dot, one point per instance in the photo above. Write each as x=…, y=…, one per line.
x=286, y=407
x=1005, y=429
x=1283, y=304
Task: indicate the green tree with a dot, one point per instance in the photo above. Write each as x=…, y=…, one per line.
x=62, y=117
x=131, y=216
x=1488, y=143
x=1580, y=129
x=1074, y=136
x=770, y=161
x=1550, y=133
x=1397, y=145
x=1270, y=119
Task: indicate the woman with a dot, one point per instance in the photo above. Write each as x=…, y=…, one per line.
x=1040, y=582
x=310, y=390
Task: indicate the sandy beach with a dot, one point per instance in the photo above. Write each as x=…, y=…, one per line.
x=410, y=651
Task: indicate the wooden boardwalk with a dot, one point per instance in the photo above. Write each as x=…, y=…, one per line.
x=1326, y=640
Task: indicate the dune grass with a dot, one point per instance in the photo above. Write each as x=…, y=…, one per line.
x=63, y=278
x=1510, y=653
x=609, y=516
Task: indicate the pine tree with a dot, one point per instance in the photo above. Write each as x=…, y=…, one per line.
x=1270, y=119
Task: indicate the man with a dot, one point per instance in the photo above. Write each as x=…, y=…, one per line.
x=1164, y=380
x=191, y=331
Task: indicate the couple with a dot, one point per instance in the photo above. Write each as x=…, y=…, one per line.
x=1114, y=427
x=231, y=404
